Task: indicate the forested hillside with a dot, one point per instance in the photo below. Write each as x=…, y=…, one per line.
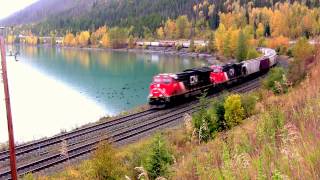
x=76, y=15
x=44, y=9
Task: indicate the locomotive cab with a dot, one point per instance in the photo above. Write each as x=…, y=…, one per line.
x=218, y=76
x=163, y=87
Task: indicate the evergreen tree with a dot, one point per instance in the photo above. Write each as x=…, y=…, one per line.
x=159, y=158
x=242, y=49
x=211, y=44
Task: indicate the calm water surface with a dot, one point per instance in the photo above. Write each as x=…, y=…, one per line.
x=56, y=88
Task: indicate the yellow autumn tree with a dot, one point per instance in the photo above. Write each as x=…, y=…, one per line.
x=170, y=29
x=101, y=31
x=278, y=42
x=234, y=34
x=32, y=40
x=10, y=39
x=68, y=39
x=219, y=38
x=83, y=38
x=74, y=41
x=260, y=30
x=105, y=41
x=96, y=36
x=160, y=33
x=183, y=27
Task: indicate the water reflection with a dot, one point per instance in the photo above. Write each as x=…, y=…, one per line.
x=63, y=87
x=117, y=80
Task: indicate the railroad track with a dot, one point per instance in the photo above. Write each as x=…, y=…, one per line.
x=116, y=131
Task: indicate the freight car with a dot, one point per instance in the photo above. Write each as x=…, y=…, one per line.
x=170, y=88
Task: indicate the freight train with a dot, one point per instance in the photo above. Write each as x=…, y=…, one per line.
x=169, y=88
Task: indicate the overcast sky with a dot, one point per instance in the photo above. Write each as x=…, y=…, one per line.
x=8, y=7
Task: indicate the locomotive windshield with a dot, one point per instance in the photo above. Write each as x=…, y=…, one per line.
x=216, y=70
x=162, y=80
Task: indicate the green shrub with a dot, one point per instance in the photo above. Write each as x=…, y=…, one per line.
x=216, y=112
x=271, y=124
x=201, y=49
x=252, y=53
x=28, y=176
x=276, y=81
x=202, y=122
x=145, y=46
x=234, y=112
x=262, y=42
x=249, y=102
x=191, y=47
x=178, y=47
x=289, y=52
x=302, y=51
x=159, y=159
x=106, y=164
x=282, y=50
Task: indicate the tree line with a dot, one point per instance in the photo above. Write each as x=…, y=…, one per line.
x=234, y=31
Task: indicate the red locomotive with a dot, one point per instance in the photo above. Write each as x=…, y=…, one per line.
x=168, y=88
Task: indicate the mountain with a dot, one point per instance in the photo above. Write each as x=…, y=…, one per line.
x=45, y=16
x=43, y=9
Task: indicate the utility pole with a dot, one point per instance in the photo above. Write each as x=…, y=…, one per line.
x=13, y=164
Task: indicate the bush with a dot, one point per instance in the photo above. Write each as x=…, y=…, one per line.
x=302, y=51
x=276, y=81
x=159, y=159
x=216, y=112
x=106, y=164
x=201, y=49
x=289, y=52
x=202, y=121
x=131, y=43
x=178, y=47
x=28, y=176
x=191, y=47
x=249, y=102
x=234, y=112
x=118, y=37
x=252, y=53
x=282, y=50
x=272, y=124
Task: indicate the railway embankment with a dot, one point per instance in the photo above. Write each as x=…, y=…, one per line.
x=276, y=135
x=53, y=154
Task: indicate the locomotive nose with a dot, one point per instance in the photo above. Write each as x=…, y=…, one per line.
x=157, y=92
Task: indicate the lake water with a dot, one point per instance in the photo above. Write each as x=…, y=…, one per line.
x=54, y=89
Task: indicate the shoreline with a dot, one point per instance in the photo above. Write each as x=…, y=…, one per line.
x=170, y=51
x=159, y=50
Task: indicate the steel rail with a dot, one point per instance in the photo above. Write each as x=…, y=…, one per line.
x=130, y=132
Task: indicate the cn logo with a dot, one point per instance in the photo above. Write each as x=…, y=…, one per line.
x=231, y=72
x=193, y=80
